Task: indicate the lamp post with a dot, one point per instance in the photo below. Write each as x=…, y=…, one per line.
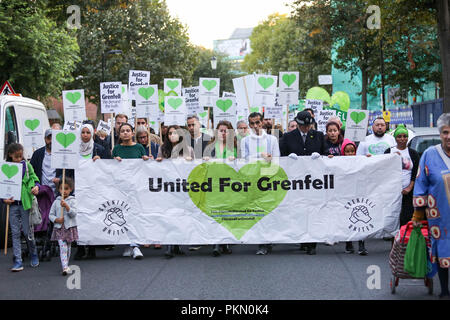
x=214, y=63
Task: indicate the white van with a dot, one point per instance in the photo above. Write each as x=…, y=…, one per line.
x=14, y=111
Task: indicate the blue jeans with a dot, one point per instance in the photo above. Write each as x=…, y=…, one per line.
x=19, y=222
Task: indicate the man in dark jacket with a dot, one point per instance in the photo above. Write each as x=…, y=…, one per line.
x=199, y=140
x=304, y=141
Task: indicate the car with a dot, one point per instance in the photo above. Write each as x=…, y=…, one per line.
x=423, y=138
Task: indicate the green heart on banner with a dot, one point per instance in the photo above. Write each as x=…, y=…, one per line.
x=146, y=93
x=209, y=84
x=357, y=116
x=65, y=139
x=175, y=102
x=32, y=124
x=73, y=96
x=203, y=114
x=172, y=84
x=289, y=79
x=265, y=82
x=224, y=105
x=254, y=203
x=10, y=170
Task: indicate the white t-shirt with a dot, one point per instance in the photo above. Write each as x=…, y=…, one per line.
x=407, y=166
x=374, y=145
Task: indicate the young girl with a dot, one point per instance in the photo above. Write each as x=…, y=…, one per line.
x=349, y=149
x=65, y=227
x=128, y=149
x=19, y=211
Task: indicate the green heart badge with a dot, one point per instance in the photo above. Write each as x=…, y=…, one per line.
x=172, y=84
x=209, y=84
x=224, y=105
x=65, y=139
x=265, y=82
x=32, y=124
x=175, y=102
x=10, y=170
x=73, y=96
x=235, y=201
x=146, y=93
x=357, y=116
x=289, y=79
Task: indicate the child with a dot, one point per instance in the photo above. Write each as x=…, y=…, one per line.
x=19, y=211
x=65, y=227
x=349, y=149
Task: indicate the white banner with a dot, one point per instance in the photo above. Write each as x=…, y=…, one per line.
x=292, y=201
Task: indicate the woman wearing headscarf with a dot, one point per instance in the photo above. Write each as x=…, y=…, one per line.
x=410, y=164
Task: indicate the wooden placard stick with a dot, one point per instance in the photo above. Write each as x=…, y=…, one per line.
x=62, y=193
x=148, y=133
x=112, y=131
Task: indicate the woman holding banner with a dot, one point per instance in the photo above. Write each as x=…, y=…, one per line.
x=333, y=139
x=174, y=146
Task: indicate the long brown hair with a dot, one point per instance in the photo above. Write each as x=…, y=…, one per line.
x=230, y=129
x=167, y=146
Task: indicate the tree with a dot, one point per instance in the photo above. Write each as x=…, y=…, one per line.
x=37, y=55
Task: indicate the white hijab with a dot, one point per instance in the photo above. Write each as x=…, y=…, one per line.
x=87, y=147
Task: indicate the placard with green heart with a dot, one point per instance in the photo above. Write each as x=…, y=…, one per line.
x=265, y=82
x=65, y=139
x=224, y=104
x=357, y=116
x=203, y=114
x=32, y=124
x=172, y=84
x=10, y=170
x=254, y=109
x=209, y=84
x=175, y=103
x=146, y=92
x=73, y=96
x=289, y=79
x=238, y=211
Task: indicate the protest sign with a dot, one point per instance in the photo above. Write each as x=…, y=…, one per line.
x=315, y=105
x=209, y=91
x=322, y=118
x=137, y=78
x=244, y=89
x=192, y=100
x=342, y=115
x=126, y=102
x=147, y=101
x=357, y=122
x=10, y=180
x=225, y=109
x=265, y=92
x=104, y=126
x=72, y=126
x=203, y=117
x=111, y=97
x=74, y=105
x=33, y=137
x=288, y=88
x=65, y=149
x=174, y=111
x=172, y=87
x=176, y=201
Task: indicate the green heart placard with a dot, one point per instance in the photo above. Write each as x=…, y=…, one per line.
x=65, y=139
x=32, y=124
x=265, y=82
x=203, y=114
x=172, y=84
x=209, y=84
x=254, y=109
x=175, y=102
x=289, y=79
x=223, y=104
x=73, y=96
x=357, y=116
x=146, y=93
x=10, y=170
x=237, y=211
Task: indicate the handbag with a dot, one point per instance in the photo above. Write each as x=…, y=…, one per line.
x=35, y=212
x=415, y=262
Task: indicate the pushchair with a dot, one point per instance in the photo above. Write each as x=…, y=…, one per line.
x=397, y=255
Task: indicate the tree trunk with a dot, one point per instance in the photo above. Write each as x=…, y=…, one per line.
x=443, y=13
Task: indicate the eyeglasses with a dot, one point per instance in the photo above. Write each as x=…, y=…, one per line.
x=142, y=137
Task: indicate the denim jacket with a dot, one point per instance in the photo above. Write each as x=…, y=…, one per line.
x=69, y=216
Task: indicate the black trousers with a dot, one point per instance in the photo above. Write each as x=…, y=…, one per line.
x=407, y=209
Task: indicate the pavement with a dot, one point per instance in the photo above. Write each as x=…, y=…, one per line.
x=285, y=274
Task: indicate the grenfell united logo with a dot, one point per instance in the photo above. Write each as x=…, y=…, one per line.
x=360, y=219
x=115, y=212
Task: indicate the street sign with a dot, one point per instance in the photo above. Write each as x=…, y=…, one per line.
x=6, y=89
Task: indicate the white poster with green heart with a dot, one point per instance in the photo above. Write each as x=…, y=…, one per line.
x=147, y=101
x=289, y=201
x=172, y=87
x=65, y=149
x=266, y=90
x=175, y=111
x=209, y=91
x=225, y=110
x=288, y=88
x=357, y=123
x=74, y=105
x=137, y=78
x=33, y=133
x=10, y=180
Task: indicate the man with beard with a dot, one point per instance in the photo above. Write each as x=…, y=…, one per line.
x=377, y=142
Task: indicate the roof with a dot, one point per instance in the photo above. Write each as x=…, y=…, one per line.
x=53, y=114
x=241, y=33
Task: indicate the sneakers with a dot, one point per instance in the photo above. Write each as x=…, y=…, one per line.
x=194, y=248
x=349, y=248
x=127, y=252
x=17, y=267
x=34, y=260
x=66, y=271
x=362, y=251
x=262, y=250
x=137, y=254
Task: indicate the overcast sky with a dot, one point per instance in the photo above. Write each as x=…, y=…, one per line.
x=209, y=20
